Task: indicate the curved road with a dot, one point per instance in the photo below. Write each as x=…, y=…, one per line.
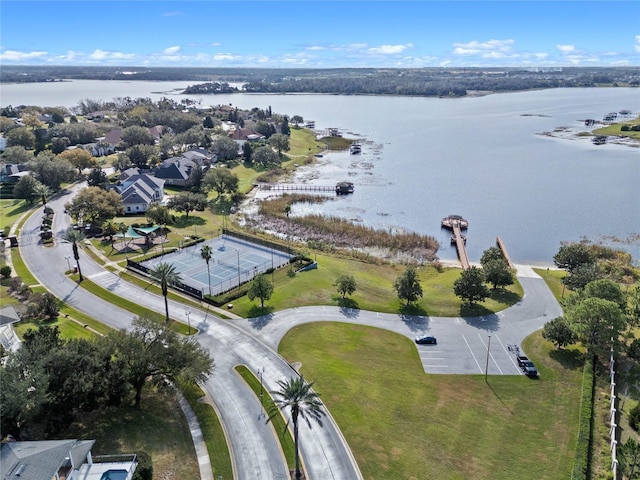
x=255, y=449
x=463, y=344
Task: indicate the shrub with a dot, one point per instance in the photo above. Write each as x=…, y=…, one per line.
x=144, y=470
x=634, y=417
x=5, y=271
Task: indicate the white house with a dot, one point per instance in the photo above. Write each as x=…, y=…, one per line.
x=140, y=191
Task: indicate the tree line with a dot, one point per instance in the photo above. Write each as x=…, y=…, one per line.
x=50, y=381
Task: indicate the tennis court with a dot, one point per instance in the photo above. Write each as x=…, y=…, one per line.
x=233, y=262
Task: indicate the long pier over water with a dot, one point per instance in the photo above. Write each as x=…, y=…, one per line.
x=456, y=224
x=300, y=187
x=460, y=246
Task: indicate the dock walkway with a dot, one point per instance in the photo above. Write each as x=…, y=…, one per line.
x=295, y=187
x=456, y=224
x=462, y=250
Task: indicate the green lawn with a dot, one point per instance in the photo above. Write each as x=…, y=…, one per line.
x=10, y=211
x=212, y=430
x=615, y=129
x=158, y=427
x=374, y=290
x=402, y=423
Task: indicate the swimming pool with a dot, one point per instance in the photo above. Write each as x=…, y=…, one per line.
x=114, y=475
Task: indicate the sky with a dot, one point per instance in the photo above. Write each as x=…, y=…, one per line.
x=320, y=34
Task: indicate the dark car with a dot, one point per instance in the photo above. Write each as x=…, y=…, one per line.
x=426, y=340
x=529, y=368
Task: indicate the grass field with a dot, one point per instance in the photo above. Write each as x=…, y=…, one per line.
x=374, y=290
x=401, y=423
x=158, y=427
x=615, y=129
x=10, y=211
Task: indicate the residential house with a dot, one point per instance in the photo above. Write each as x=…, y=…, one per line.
x=12, y=172
x=99, y=149
x=175, y=170
x=8, y=338
x=114, y=137
x=242, y=135
x=158, y=131
x=61, y=460
x=140, y=191
x=201, y=156
x=129, y=172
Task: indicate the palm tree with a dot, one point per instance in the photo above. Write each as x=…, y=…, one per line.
x=303, y=402
x=74, y=237
x=166, y=274
x=206, y=253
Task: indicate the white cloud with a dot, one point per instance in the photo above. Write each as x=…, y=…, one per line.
x=172, y=14
x=171, y=50
x=636, y=45
x=566, y=48
x=15, y=56
x=490, y=48
x=316, y=48
x=101, y=55
x=390, y=49
x=225, y=56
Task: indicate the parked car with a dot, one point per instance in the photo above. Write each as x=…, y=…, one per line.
x=527, y=366
x=426, y=340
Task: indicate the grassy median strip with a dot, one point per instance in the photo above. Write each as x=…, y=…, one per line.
x=403, y=423
x=279, y=425
x=133, y=307
x=212, y=431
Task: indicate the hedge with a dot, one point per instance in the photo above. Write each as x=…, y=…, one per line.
x=582, y=460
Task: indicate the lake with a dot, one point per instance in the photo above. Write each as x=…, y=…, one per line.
x=425, y=158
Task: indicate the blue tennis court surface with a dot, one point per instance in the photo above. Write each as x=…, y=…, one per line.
x=233, y=262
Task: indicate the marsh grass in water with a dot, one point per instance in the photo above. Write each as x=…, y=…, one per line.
x=341, y=232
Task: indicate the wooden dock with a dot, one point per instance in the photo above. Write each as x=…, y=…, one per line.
x=291, y=187
x=503, y=249
x=460, y=246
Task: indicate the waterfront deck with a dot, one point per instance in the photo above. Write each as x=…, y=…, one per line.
x=456, y=224
x=340, y=188
x=460, y=246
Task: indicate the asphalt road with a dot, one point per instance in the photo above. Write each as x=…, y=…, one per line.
x=461, y=349
x=462, y=342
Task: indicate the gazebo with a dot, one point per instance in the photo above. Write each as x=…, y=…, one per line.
x=134, y=233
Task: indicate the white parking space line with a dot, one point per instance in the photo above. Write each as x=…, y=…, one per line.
x=474, y=357
x=490, y=353
x=510, y=355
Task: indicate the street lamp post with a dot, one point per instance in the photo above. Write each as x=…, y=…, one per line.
x=187, y=313
x=486, y=368
x=68, y=264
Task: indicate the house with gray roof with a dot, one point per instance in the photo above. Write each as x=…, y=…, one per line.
x=140, y=191
x=175, y=170
x=8, y=338
x=60, y=460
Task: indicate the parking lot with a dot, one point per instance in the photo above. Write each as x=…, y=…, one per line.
x=459, y=351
